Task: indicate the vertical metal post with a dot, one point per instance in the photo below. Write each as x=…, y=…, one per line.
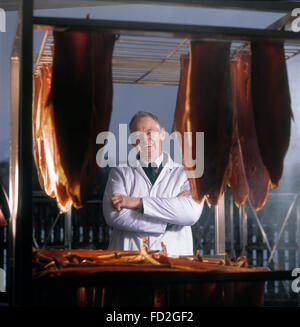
x=68, y=229
x=20, y=247
x=220, y=227
x=298, y=238
x=243, y=229
x=13, y=157
x=231, y=217
x=298, y=229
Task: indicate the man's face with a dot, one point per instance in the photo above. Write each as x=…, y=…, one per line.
x=149, y=137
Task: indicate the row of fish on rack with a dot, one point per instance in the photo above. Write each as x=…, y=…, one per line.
x=78, y=265
x=54, y=262
x=240, y=101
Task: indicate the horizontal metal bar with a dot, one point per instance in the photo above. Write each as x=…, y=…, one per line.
x=272, y=6
x=13, y=5
x=280, y=194
x=167, y=30
x=153, y=277
x=292, y=246
x=146, y=60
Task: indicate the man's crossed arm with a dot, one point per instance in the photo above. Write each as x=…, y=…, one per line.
x=120, y=201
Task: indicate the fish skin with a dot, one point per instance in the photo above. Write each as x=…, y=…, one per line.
x=71, y=98
x=236, y=173
x=2, y=219
x=40, y=127
x=71, y=116
x=182, y=116
x=209, y=74
x=102, y=103
x=37, y=85
x=180, y=110
x=271, y=105
x=257, y=176
x=82, y=100
x=4, y=206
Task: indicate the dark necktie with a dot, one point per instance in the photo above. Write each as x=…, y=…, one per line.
x=152, y=172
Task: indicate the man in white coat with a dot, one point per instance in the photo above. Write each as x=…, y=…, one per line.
x=150, y=198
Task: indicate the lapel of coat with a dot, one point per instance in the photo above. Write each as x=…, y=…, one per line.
x=137, y=165
x=167, y=167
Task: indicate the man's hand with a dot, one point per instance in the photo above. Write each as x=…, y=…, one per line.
x=184, y=193
x=120, y=201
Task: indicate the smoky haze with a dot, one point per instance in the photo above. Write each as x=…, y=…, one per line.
x=290, y=181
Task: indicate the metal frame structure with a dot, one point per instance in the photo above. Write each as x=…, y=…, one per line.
x=21, y=111
x=140, y=60
x=274, y=6
x=20, y=247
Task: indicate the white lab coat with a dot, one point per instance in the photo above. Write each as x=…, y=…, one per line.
x=161, y=206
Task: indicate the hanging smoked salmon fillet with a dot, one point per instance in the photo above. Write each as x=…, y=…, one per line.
x=257, y=176
x=77, y=108
x=248, y=125
x=41, y=90
x=271, y=104
x=209, y=110
x=181, y=114
x=236, y=171
x=37, y=89
x=180, y=110
x=4, y=206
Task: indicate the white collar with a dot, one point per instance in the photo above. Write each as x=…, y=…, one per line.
x=169, y=163
x=158, y=160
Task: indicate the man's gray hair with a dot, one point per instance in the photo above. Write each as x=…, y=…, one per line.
x=141, y=114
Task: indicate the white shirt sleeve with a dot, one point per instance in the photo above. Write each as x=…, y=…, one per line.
x=182, y=210
x=131, y=220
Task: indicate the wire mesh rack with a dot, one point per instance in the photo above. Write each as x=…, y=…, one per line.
x=146, y=60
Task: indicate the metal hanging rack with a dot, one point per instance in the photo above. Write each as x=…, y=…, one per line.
x=20, y=274
x=144, y=60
